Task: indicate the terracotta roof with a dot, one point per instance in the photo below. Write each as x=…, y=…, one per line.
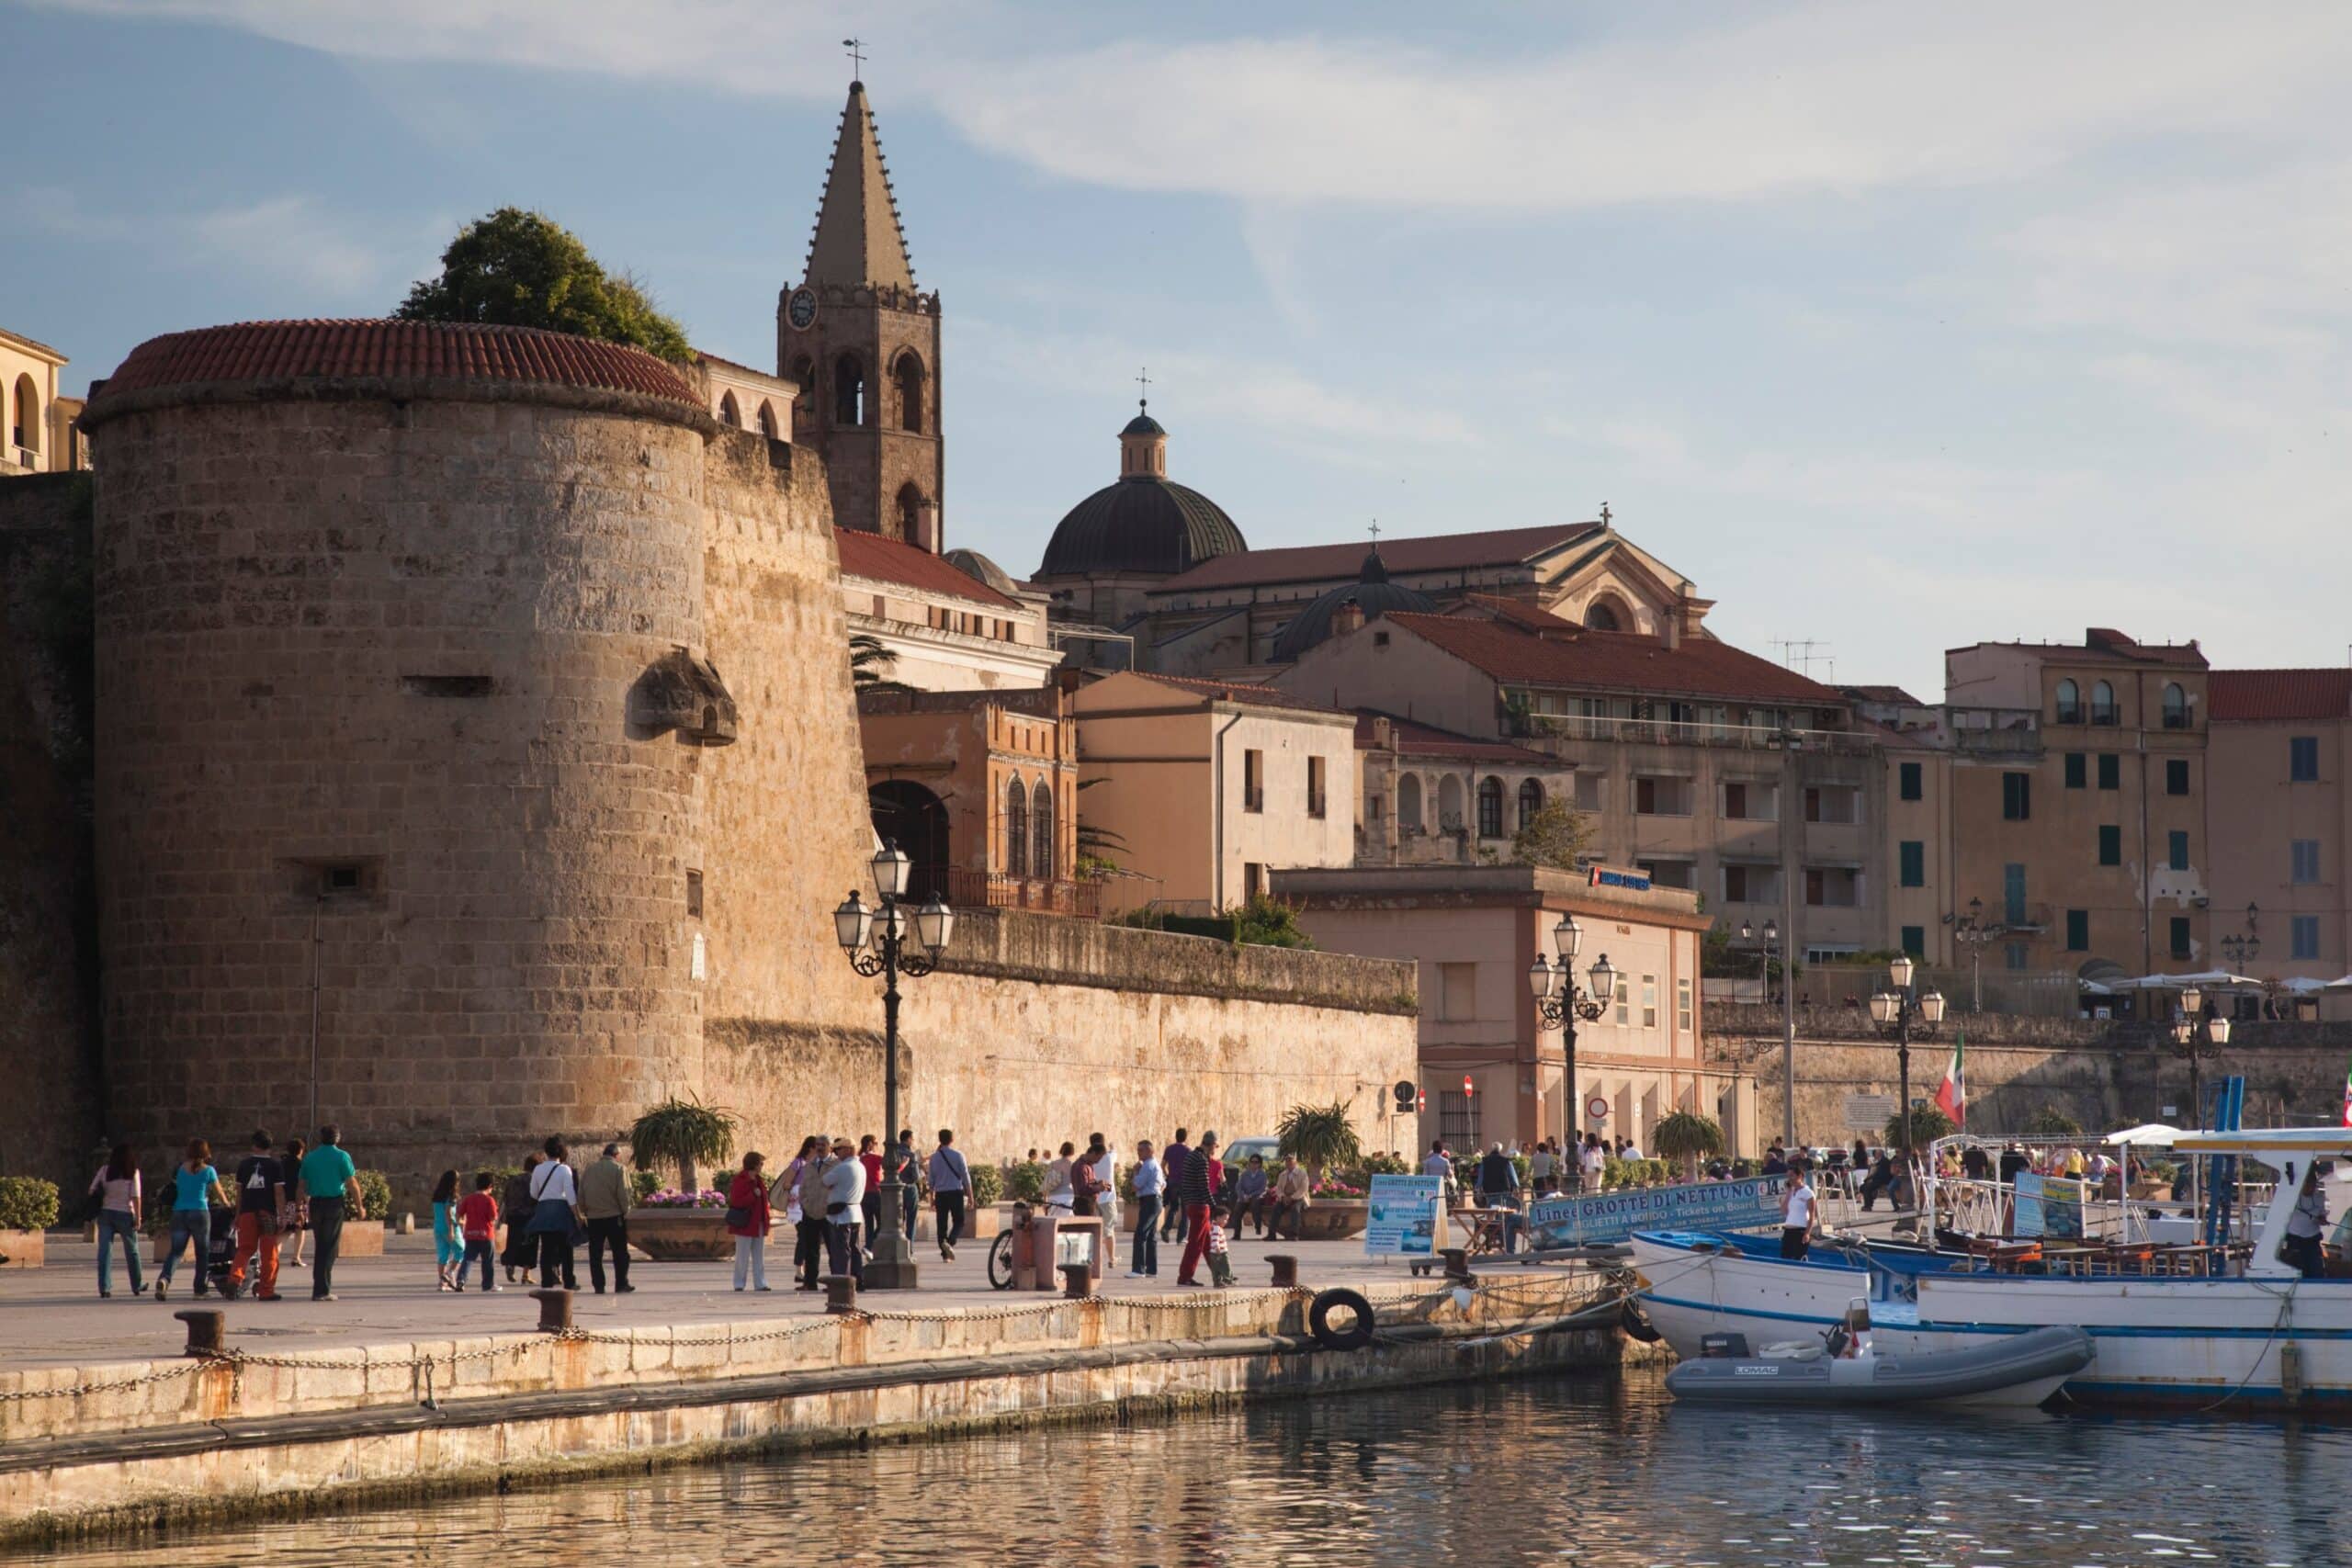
x=1414, y=739
x=1617, y=661
x=1895, y=694
x=339, y=350
x=1340, y=563
x=1518, y=612
x=1237, y=692
x=2103, y=645
x=2252, y=696
x=887, y=560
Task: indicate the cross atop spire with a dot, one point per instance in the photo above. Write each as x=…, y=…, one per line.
x=1604, y=514
x=857, y=239
x=1375, y=533
x=856, y=49
x=1143, y=379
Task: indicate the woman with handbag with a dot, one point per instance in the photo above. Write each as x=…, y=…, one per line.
x=748, y=1220
x=555, y=1216
x=294, y=1214
x=785, y=1194
x=514, y=1213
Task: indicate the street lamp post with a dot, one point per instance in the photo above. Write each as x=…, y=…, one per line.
x=1895, y=1012
x=1560, y=1002
x=1972, y=930
x=2243, y=947
x=1766, y=950
x=2197, y=1040
x=890, y=940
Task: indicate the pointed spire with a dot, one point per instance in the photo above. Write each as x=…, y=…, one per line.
x=858, y=240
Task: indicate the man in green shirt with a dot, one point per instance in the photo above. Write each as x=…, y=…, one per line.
x=331, y=1181
x=604, y=1204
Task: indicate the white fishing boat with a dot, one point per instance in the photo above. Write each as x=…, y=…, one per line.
x=2263, y=1339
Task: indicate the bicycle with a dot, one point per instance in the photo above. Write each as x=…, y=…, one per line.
x=1001, y=1250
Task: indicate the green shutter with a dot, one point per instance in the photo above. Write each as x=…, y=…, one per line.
x=2078, y=931
x=2110, y=846
x=2110, y=770
x=2077, y=771
x=1915, y=862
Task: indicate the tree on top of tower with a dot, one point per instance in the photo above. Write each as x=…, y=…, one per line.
x=520, y=269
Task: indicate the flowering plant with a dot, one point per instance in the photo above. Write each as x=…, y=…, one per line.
x=670, y=1198
x=1332, y=1187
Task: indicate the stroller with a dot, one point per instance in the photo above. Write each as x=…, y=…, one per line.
x=222, y=1253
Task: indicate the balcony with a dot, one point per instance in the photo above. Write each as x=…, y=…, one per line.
x=1042, y=895
x=1678, y=732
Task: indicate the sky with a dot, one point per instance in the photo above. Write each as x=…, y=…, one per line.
x=1894, y=328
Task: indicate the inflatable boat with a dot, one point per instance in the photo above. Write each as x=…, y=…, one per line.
x=1845, y=1369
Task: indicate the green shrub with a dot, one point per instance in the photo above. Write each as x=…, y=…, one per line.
x=1613, y=1172
x=1024, y=1181
x=27, y=1203
x=1361, y=1175
x=376, y=1193
x=643, y=1184
x=988, y=1184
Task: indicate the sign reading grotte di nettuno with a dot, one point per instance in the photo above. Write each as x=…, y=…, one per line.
x=1613, y=1216
x=1403, y=1216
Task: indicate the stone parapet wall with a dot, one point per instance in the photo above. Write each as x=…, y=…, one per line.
x=1014, y=945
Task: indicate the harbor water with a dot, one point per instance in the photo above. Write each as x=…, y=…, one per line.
x=1590, y=1469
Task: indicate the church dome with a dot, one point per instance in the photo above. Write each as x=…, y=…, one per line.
x=1371, y=592
x=973, y=564
x=1143, y=523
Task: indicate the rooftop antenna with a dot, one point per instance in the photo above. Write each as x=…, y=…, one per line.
x=1143, y=379
x=856, y=48
x=1797, y=653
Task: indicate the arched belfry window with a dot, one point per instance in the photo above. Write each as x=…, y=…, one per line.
x=1016, y=827
x=1041, y=831
x=849, y=391
x=909, y=375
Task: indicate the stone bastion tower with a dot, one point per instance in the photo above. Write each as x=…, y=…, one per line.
x=419, y=800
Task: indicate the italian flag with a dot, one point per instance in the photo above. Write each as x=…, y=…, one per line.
x=1952, y=1097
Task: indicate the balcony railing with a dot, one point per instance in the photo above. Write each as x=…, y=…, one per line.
x=1678, y=732
x=1043, y=896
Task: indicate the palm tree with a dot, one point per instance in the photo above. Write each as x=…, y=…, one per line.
x=684, y=1133
x=1321, y=1136
x=870, y=658
x=1688, y=1136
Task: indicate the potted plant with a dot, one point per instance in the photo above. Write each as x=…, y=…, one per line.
x=688, y=1220
x=1322, y=1137
x=27, y=1208
x=684, y=1133
x=1687, y=1136
x=676, y=1225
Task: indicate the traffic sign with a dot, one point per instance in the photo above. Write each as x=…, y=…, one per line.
x=1597, y=1108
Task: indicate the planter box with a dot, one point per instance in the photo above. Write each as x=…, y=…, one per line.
x=979, y=1224
x=681, y=1235
x=1333, y=1219
x=24, y=1249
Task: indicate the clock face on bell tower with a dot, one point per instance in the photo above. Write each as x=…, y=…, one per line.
x=801, y=309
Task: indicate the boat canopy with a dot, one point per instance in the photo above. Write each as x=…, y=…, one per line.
x=2147, y=1134
x=2263, y=1141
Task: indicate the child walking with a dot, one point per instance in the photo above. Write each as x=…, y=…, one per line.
x=448, y=1248
x=478, y=1220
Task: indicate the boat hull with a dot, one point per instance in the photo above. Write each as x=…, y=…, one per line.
x=1690, y=1293
x=2013, y=1370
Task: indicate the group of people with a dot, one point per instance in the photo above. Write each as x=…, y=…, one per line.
x=549, y=1210
x=282, y=1195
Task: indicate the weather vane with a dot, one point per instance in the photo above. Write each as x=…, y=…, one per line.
x=856, y=48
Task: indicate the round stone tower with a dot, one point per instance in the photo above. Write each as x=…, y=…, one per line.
x=401, y=699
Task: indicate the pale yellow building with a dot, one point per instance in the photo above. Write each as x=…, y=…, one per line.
x=1211, y=787
x=952, y=622
x=39, y=425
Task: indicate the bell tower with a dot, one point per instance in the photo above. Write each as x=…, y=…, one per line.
x=862, y=342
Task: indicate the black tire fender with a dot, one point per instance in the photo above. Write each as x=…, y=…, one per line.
x=1637, y=1323
x=1319, y=1320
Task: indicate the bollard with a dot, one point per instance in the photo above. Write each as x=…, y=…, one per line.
x=1457, y=1262
x=841, y=1293
x=203, y=1329
x=1286, y=1268
x=555, y=1310
x=1077, y=1280
x=407, y=1226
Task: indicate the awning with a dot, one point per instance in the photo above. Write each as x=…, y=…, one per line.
x=2147, y=1134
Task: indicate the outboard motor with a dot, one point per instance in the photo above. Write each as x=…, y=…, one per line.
x=1723, y=1346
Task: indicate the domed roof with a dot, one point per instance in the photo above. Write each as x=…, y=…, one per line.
x=971, y=563
x=1371, y=592
x=1141, y=523
x=1142, y=425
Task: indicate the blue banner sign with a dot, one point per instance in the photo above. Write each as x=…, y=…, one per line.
x=1403, y=1216
x=1699, y=1205
x=1610, y=876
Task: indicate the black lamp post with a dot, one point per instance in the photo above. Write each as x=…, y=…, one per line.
x=1766, y=950
x=890, y=940
x=1972, y=930
x=1895, y=1012
x=1560, y=1002
x=2197, y=1039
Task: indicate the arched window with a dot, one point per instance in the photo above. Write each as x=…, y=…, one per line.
x=2102, y=703
x=1601, y=616
x=1016, y=827
x=908, y=373
x=1041, y=831
x=849, y=391
x=1491, y=807
x=1531, y=800
x=914, y=521
x=728, y=413
x=27, y=429
x=2070, y=703
x=767, y=420
x=1449, y=805
x=2175, y=706
x=804, y=406
x=1408, y=804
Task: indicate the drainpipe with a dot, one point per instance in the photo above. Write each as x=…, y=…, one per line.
x=1217, y=753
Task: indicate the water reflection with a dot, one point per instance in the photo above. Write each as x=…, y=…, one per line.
x=1589, y=1470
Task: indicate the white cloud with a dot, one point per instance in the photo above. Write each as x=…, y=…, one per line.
x=288, y=237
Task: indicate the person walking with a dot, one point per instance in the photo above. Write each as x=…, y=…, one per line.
x=1596, y=1162
x=478, y=1223
x=1797, y=1217
x=555, y=1215
x=604, y=1207
x=331, y=1184
x=1150, y=1183
x=1440, y=1167
x=1171, y=1164
x=748, y=1220
x=869, y=1155
x=116, y=1187
x=194, y=1186
x=903, y=1164
x=846, y=1213
x=261, y=1199
x=1290, y=1200
x=514, y=1207
x=294, y=1220
x=808, y=1250
x=951, y=1179
x=1204, y=1174
x=1539, y=1169
x=448, y=1246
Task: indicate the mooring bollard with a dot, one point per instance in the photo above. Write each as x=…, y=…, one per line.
x=555, y=1310
x=1457, y=1262
x=1286, y=1268
x=203, y=1329
x=841, y=1293
x=1077, y=1280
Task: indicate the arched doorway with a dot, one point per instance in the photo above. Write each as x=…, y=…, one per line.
x=909, y=816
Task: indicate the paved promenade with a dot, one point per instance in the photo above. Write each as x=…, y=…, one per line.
x=52, y=1316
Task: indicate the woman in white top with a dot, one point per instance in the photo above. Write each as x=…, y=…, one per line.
x=117, y=1188
x=555, y=1214
x=1060, y=1197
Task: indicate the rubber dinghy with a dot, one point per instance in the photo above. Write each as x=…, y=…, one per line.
x=2010, y=1369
